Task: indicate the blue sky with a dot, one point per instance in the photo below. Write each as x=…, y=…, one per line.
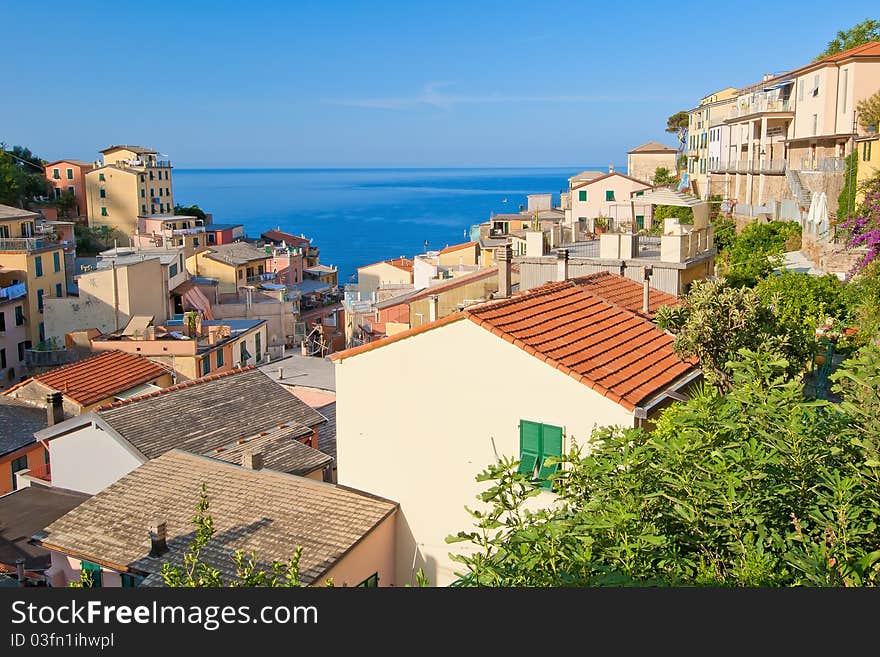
x=335, y=84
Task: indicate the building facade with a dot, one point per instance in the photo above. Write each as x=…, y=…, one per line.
x=69, y=176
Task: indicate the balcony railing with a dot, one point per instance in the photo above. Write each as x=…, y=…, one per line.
x=747, y=108
x=186, y=231
x=22, y=243
x=826, y=164
x=750, y=166
x=261, y=278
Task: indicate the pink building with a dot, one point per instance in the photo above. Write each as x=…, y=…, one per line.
x=287, y=264
x=611, y=196
x=223, y=233
x=69, y=175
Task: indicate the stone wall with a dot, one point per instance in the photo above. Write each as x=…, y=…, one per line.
x=821, y=181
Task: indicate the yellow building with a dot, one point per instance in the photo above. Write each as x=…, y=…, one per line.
x=40, y=260
x=233, y=265
x=132, y=183
x=868, y=153
x=710, y=113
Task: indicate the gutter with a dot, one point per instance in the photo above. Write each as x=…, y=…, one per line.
x=641, y=412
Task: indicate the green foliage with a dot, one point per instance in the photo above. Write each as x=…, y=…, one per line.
x=804, y=299
x=190, y=210
x=863, y=292
x=725, y=234
x=869, y=112
x=86, y=580
x=846, y=200
x=716, y=321
x=663, y=178
x=861, y=33
x=66, y=204
x=757, y=251
x=757, y=487
x=21, y=176
x=91, y=240
x=685, y=215
x=195, y=572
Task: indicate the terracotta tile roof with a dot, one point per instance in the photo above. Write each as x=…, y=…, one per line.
x=870, y=49
x=653, y=147
x=607, y=347
x=587, y=183
x=281, y=236
x=404, y=264
x=93, y=379
x=270, y=513
x=457, y=247
x=625, y=292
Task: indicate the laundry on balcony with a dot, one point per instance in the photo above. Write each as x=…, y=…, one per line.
x=13, y=291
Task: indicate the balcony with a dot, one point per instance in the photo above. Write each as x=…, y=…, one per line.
x=760, y=106
x=184, y=231
x=11, y=292
x=766, y=167
x=23, y=244
x=825, y=164
x=261, y=278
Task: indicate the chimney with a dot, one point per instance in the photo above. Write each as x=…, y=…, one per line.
x=562, y=265
x=252, y=460
x=610, y=168
x=19, y=570
x=646, y=293
x=503, y=256
x=54, y=408
x=158, y=538
x=433, y=308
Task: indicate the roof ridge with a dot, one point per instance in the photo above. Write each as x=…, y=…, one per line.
x=177, y=386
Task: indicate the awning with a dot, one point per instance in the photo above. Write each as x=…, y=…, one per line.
x=195, y=299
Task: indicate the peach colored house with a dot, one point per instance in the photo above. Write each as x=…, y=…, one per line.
x=124, y=534
x=612, y=196
x=69, y=175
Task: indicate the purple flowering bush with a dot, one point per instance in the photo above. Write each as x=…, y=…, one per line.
x=862, y=229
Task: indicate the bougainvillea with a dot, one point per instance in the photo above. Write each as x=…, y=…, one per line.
x=862, y=229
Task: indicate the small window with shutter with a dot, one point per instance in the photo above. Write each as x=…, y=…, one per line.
x=537, y=443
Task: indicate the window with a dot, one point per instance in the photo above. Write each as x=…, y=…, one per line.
x=151, y=175
x=70, y=174
x=72, y=190
x=94, y=570
x=180, y=260
x=641, y=193
x=167, y=193
x=172, y=270
x=152, y=209
x=220, y=358
x=537, y=442
x=582, y=195
x=130, y=581
x=244, y=356
x=40, y=300
x=815, y=124
x=371, y=582
x=143, y=193
x=103, y=211
x=56, y=174
x=195, y=241
x=211, y=238
x=18, y=465
x=56, y=261
x=3, y=322
x=152, y=193
x=640, y=221
x=691, y=165
x=4, y=230
x=2, y=358
x=38, y=266
x=250, y=272
x=866, y=151
x=258, y=347
x=21, y=347
x=161, y=193
x=206, y=364
x=101, y=177
x=102, y=193
x=240, y=274
x=19, y=316
x=816, y=85
x=801, y=89
x=142, y=178
x=143, y=208
x=609, y=194
x=42, y=332
x=59, y=292
x=845, y=81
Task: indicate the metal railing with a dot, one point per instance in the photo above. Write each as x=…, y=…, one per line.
x=750, y=166
x=826, y=164
x=22, y=243
x=746, y=108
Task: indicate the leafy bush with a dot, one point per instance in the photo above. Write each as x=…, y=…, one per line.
x=805, y=299
x=758, y=249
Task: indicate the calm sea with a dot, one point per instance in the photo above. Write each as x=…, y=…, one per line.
x=360, y=216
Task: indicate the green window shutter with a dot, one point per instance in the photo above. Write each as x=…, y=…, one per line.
x=95, y=571
x=640, y=221
x=551, y=443
x=38, y=265
x=56, y=261
x=609, y=194
x=529, y=446
x=101, y=177
x=582, y=195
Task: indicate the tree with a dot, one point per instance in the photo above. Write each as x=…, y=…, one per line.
x=869, y=112
x=858, y=35
x=716, y=321
x=21, y=176
x=802, y=299
x=757, y=250
x=190, y=210
x=663, y=178
x=677, y=124
x=66, y=203
x=757, y=487
x=846, y=200
x=195, y=572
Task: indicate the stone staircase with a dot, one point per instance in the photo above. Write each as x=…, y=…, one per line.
x=803, y=195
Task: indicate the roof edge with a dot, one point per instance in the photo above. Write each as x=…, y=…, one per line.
x=403, y=335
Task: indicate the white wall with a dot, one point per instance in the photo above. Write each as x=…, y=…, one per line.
x=89, y=460
x=456, y=397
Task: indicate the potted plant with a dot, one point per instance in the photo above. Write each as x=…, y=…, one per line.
x=600, y=225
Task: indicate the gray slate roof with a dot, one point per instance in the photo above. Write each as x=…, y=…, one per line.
x=207, y=413
x=8, y=212
x=26, y=511
x=327, y=432
x=237, y=253
x=18, y=422
x=281, y=451
x=267, y=512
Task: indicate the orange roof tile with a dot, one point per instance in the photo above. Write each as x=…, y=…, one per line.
x=870, y=49
x=626, y=292
x=576, y=327
x=457, y=247
x=99, y=377
x=603, y=345
x=401, y=263
x=178, y=386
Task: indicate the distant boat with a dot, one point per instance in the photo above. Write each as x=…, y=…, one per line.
x=504, y=200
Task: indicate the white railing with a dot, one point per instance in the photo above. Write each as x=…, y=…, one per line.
x=824, y=164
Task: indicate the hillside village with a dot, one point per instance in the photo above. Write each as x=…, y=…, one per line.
x=147, y=351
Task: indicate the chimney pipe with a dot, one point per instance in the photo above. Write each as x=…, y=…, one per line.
x=54, y=408
x=503, y=256
x=252, y=460
x=19, y=570
x=646, y=296
x=562, y=265
x=158, y=538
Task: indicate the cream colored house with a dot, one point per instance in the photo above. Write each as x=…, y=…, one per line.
x=132, y=182
x=611, y=196
x=234, y=265
x=710, y=113
x=643, y=161
x=522, y=377
x=398, y=271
